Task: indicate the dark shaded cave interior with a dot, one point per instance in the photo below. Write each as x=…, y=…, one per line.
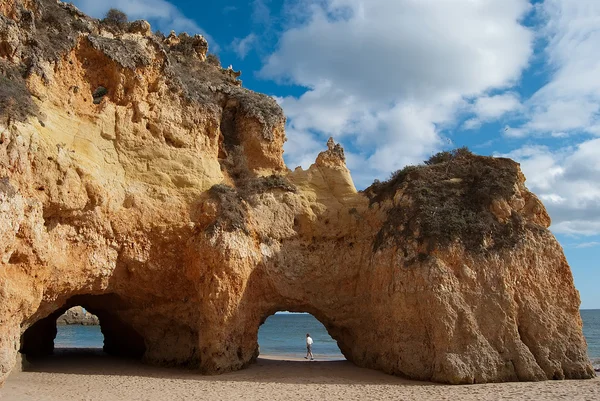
x=120, y=339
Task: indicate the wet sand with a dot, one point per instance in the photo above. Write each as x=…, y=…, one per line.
x=94, y=376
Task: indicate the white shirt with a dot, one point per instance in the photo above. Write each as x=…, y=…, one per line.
x=309, y=341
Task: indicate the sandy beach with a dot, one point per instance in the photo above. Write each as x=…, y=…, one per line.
x=98, y=377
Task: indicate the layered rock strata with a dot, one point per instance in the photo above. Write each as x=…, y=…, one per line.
x=143, y=183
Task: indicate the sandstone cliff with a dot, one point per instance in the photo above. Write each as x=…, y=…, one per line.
x=77, y=316
x=145, y=184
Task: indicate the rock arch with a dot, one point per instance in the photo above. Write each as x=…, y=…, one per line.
x=120, y=339
x=447, y=272
x=298, y=334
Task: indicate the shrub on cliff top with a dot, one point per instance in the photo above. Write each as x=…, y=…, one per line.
x=400, y=175
x=53, y=34
x=115, y=17
x=447, y=156
x=450, y=200
x=213, y=59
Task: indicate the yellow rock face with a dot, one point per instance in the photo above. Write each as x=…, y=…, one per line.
x=143, y=183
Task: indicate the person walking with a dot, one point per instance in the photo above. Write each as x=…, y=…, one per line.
x=309, y=343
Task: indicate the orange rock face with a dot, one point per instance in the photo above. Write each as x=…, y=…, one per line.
x=143, y=183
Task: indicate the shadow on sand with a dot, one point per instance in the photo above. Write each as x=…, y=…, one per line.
x=84, y=361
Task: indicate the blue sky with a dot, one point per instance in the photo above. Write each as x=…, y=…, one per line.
x=397, y=80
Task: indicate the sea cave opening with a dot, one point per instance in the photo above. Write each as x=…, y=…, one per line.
x=282, y=336
x=93, y=326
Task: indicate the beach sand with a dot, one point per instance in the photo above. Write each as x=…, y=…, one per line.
x=93, y=376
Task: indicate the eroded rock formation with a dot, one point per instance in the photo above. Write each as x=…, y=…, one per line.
x=161, y=203
x=77, y=316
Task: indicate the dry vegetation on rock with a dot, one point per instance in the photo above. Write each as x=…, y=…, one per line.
x=116, y=18
x=450, y=201
x=15, y=99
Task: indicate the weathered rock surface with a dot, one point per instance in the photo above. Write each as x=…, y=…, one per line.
x=163, y=206
x=77, y=316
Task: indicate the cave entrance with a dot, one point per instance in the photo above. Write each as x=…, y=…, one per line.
x=283, y=336
x=113, y=335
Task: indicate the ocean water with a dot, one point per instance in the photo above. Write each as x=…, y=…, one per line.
x=284, y=335
x=76, y=336
x=591, y=331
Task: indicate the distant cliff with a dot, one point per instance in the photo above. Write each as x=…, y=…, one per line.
x=77, y=316
x=139, y=180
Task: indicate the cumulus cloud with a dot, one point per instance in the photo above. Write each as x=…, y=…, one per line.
x=388, y=76
x=490, y=108
x=323, y=108
x=566, y=180
x=570, y=101
x=406, y=48
x=383, y=139
x=162, y=13
x=568, y=105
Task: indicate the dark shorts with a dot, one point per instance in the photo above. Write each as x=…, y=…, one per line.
x=309, y=348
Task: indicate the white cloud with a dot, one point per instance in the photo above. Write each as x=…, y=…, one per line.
x=567, y=182
x=409, y=134
x=472, y=123
x=164, y=14
x=385, y=140
x=324, y=108
x=387, y=76
x=570, y=101
x=489, y=108
x=592, y=244
x=301, y=148
x=407, y=48
x=242, y=46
